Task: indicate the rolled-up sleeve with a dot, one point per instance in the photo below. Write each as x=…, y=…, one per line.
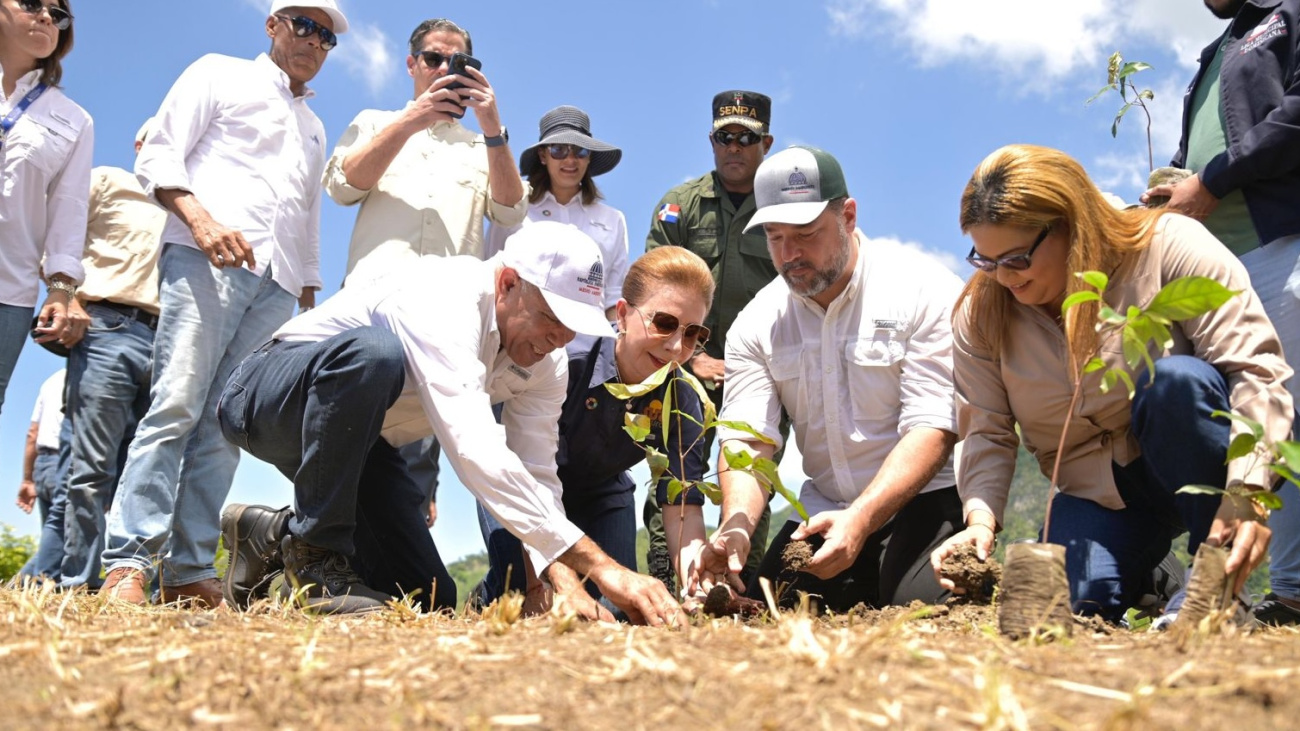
x=361, y=131
x=984, y=424
x=181, y=122
x=504, y=215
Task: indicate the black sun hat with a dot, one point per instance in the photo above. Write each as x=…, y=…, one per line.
x=569, y=126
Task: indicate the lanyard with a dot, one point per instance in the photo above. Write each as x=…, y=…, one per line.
x=14, y=114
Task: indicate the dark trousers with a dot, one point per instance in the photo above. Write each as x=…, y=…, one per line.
x=893, y=567
x=315, y=410
x=1109, y=553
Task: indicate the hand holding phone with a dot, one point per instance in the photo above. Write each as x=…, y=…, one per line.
x=456, y=67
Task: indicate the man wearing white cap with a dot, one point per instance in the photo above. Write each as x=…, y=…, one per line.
x=380, y=365
x=853, y=342
x=236, y=158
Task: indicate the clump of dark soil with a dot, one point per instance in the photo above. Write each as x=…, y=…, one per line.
x=797, y=555
x=975, y=579
x=720, y=602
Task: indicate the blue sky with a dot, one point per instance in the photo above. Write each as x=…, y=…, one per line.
x=909, y=95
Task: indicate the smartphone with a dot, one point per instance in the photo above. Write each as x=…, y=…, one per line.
x=456, y=66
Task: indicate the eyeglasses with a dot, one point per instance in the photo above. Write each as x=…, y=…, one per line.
x=562, y=152
x=61, y=18
x=433, y=59
x=1015, y=262
x=304, y=26
x=665, y=325
x=744, y=139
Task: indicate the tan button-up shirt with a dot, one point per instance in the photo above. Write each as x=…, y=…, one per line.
x=432, y=199
x=1028, y=385
x=122, y=235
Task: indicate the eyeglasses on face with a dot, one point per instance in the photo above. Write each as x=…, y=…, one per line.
x=562, y=152
x=61, y=18
x=1015, y=262
x=304, y=26
x=694, y=335
x=744, y=139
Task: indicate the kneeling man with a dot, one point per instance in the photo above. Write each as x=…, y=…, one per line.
x=853, y=341
x=427, y=349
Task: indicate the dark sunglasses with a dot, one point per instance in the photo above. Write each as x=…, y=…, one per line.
x=1015, y=262
x=61, y=18
x=433, y=59
x=665, y=325
x=303, y=27
x=562, y=152
x=744, y=139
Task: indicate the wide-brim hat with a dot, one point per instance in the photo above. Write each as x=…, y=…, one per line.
x=569, y=126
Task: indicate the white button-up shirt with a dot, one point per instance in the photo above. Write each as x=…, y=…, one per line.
x=232, y=133
x=45, y=164
x=455, y=371
x=47, y=415
x=432, y=199
x=855, y=377
x=603, y=223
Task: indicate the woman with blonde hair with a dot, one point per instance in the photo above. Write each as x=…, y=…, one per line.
x=666, y=296
x=1035, y=219
x=46, y=144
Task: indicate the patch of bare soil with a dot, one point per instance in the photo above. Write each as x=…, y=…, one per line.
x=975, y=579
x=73, y=661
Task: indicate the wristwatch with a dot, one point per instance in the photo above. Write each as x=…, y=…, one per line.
x=67, y=288
x=499, y=140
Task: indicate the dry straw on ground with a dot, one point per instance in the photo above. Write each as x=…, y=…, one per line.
x=72, y=661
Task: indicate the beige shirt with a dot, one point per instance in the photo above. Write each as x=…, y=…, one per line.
x=1029, y=385
x=122, y=235
x=432, y=199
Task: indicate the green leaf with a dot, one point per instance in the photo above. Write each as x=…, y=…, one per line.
x=1267, y=498
x=737, y=459
x=710, y=411
x=626, y=391
x=666, y=410
x=1095, y=364
x=743, y=426
x=1100, y=92
x=1108, y=380
x=711, y=491
x=768, y=469
x=657, y=462
x=1135, y=347
x=1147, y=94
x=1097, y=280
x=1286, y=473
x=1288, y=451
x=675, y=487
x=1110, y=316
x=1255, y=428
x=1242, y=445
x=1078, y=298
x=637, y=426
x=1201, y=490
x=1132, y=67
x=1128, y=382
x=1188, y=297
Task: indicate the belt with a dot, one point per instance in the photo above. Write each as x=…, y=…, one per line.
x=46, y=451
x=135, y=313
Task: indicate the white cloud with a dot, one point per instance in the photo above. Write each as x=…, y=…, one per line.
x=951, y=261
x=365, y=55
x=1030, y=42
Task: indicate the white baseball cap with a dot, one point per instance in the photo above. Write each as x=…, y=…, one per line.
x=565, y=264
x=330, y=7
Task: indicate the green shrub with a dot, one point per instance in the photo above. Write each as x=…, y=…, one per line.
x=15, y=550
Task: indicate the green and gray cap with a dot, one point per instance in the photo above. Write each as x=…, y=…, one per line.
x=794, y=185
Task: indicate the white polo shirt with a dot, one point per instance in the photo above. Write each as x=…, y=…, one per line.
x=855, y=377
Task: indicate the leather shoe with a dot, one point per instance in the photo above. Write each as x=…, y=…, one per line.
x=252, y=535
x=126, y=584
x=201, y=594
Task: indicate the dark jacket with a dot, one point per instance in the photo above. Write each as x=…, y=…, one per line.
x=1260, y=88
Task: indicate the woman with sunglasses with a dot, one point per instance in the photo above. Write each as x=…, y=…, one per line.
x=1036, y=220
x=45, y=159
x=665, y=298
x=559, y=170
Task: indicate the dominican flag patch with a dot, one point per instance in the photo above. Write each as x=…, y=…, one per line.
x=668, y=212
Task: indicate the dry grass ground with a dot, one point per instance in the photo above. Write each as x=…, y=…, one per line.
x=72, y=661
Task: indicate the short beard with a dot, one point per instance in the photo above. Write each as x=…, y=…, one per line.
x=1228, y=12
x=822, y=278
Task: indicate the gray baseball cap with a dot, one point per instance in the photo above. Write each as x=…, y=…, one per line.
x=794, y=185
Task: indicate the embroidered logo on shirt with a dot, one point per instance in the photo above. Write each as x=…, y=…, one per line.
x=668, y=212
x=1272, y=27
x=654, y=410
x=520, y=371
x=888, y=324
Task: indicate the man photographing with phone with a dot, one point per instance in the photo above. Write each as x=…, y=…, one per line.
x=425, y=182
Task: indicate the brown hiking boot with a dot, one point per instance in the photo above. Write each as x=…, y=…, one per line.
x=202, y=594
x=126, y=584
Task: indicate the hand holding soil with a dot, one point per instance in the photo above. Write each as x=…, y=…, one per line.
x=973, y=578
x=722, y=603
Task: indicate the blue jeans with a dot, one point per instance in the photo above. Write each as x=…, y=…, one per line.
x=1275, y=276
x=609, y=521
x=178, y=468
x=15, y=328
x=50, y=473
x=109, y=373
x=1108, y=552
x=315, y=411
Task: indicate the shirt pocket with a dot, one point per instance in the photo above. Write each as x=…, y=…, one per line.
x=702, y=238
x=41, y=142
x=874, y=392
